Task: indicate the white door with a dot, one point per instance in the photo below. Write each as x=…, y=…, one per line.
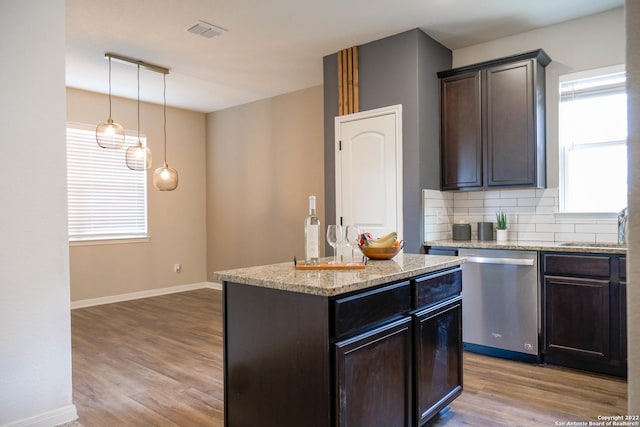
x=369, y=170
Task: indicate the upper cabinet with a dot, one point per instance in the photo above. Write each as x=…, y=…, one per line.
x=492, y=132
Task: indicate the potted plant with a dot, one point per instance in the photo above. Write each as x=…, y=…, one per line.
x=501, y=226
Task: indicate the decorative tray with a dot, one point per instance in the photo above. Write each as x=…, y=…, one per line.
x=324, y=265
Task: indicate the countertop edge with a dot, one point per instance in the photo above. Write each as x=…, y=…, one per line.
x=526, y=246
x=247, y=279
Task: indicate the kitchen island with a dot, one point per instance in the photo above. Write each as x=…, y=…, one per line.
x=376, y=346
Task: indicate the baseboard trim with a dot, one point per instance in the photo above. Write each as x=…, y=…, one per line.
x=143, y=294
x=54, y=417
x=213, y=285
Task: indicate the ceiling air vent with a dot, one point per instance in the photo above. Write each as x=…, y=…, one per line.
x=205, y=29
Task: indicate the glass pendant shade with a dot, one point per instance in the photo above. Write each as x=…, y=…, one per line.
x=110, y=134
x=138, y=157
x=165, y=178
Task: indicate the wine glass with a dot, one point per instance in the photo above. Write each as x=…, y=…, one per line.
x=352, y=236
x=334, y=238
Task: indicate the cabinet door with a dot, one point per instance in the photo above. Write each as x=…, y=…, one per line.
x=577, y=313
x=373, y=377
x=438, y=364
x=623, y=322
x=510, y=125
x=461, y=131
x=621, y=309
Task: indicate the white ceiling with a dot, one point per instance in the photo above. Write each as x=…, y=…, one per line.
x=271, y=46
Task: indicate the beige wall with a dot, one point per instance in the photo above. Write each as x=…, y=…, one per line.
x=264, y=159
x=177, y=219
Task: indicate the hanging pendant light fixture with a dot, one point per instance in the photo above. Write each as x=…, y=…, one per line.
x=110, y=134
x=138, y=157
x=165, y=178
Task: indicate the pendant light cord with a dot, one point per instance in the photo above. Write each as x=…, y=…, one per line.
x=139, y=142
x=109, y=88
x=165, y=116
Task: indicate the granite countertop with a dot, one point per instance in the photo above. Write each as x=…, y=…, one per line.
x=609, y=248
x=285, y=277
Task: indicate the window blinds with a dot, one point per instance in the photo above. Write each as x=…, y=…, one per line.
x=609, y=84
x=106, y=200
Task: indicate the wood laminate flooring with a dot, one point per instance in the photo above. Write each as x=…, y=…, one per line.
x=158, y=362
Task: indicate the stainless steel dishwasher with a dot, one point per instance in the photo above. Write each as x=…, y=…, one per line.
x=501, y=301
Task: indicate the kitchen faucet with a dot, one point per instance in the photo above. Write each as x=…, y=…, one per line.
x=622, y=226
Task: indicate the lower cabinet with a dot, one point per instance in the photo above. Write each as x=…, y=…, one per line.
x=584, y=312
x=373, y=377
x=577, y=317
x=406, y=370
x=622, y=317
x=622, y=336
x=438, y=358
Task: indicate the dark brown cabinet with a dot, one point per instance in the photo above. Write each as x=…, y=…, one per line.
x=584, y=314
x=373, y=377
x=461, y=131
x=407, y=370
x=622, y=317
x=438, y=357
x=577, y=317
x=493, y=123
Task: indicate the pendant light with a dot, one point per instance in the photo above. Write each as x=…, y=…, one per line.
x=110, y=134
x=165, y=178
x=138, y=157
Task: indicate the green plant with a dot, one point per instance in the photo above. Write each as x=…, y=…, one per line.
x=501, y=218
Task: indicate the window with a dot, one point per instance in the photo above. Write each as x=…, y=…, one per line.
x=593, y=141
x=106, y=200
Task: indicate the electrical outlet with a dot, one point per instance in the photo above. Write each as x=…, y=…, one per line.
x=177, y=268
x=439, y=216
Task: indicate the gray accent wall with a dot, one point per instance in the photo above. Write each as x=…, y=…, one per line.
x=399, y=69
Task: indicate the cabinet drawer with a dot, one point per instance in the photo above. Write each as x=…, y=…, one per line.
x=577, y=265
x=370, y=307
x=429, y=290
x=435, y=250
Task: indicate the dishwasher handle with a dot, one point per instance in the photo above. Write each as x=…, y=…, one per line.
x=501, y=261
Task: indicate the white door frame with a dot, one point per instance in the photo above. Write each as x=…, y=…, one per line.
x=396, y=110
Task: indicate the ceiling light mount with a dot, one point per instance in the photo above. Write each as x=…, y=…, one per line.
x=138, y=157
x=127, y=60
x=205, y=29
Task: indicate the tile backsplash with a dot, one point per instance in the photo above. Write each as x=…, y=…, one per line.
x=531, y=216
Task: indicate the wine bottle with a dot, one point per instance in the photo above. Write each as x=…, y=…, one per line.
x=312, y=235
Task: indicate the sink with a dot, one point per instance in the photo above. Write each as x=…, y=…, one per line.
x=594, y=245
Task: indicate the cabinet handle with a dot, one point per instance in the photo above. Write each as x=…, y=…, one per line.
x=502, y=261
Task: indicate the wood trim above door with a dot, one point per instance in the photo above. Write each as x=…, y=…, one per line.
x=348, y=81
